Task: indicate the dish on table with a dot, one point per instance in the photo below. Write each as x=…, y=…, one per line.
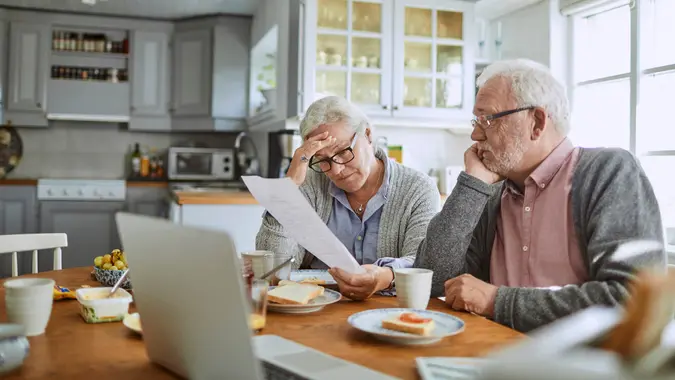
x=300, y=298
x=312, y=276
x=371, y=321
x=133, y=323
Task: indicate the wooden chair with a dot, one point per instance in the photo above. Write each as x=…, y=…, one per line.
x=32, y=242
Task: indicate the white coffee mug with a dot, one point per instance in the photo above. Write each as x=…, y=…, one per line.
x=413, y=287
x=261, y=261
x=28, y=302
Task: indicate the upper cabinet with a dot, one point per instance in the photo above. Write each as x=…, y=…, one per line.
x=408, y=62
x=149, y=73
x=211, y=73
x=28, y=67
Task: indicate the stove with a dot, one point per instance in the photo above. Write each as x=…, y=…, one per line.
x=81, y=190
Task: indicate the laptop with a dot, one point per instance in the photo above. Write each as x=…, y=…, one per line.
x=189, y=291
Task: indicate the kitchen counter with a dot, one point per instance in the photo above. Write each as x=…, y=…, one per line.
x=34, y=181
x=223, y=198
x=214, y=198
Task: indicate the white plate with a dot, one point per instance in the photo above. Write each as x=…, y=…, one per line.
x=133, y=323
x=299, y=275
x=318, y=303
x=370, y=321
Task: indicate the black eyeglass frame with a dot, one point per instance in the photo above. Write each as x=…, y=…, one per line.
x=481, y=121
x=331, y=159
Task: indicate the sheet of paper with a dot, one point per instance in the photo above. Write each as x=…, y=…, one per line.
x=282, y=198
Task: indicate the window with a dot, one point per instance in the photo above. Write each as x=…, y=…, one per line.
x=605, y=111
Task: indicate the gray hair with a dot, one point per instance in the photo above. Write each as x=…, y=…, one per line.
x=331, y=110
x=533, y=84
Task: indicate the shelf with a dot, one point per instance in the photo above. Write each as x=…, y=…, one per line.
x=90, y=54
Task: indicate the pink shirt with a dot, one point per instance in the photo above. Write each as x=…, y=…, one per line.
x=535, y=243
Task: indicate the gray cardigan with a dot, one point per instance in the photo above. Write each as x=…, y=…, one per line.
x=413, y=199
x=612, y=202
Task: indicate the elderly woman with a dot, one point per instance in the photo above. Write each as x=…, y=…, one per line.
x=376, y=207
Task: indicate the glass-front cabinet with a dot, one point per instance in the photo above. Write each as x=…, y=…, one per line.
x=353, y=52
x=433, y=65
x=401, y=61
x=396, y=58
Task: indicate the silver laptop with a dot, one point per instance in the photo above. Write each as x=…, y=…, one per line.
x=189, y=292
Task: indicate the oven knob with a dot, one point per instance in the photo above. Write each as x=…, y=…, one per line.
x=65, y=192
x=111, y=194
x=80, y=192
x=97, y=193
x=50, y=192
x=226, y=169
x=226, y=160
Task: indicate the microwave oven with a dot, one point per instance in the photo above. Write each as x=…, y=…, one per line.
x=200, y=164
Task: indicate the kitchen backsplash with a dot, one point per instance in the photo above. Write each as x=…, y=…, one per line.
x=93, y=150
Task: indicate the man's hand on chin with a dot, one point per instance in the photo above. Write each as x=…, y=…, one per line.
x=467, y=293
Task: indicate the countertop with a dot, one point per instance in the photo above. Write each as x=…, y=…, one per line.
x=34, y=181
x=222, y=198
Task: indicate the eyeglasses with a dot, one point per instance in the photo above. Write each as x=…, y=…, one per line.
x=485, y=122
x=342, y=157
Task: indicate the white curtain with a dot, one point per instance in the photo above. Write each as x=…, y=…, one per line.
x=572, y=7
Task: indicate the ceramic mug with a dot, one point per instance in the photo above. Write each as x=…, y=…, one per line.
x=413, y=287
x=261, y=262
x=28, y=302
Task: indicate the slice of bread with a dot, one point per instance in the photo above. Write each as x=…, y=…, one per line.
x=648, y=311
x=395, y=323
x=294, y=294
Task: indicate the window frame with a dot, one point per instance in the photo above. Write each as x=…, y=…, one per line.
x=634, y=75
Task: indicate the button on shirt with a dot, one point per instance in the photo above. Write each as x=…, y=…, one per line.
x=535, y=243
x=360, y=236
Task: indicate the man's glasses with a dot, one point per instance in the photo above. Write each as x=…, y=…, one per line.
x=485, y=122
x=342, y=157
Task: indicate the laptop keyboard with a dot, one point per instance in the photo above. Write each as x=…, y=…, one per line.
x=273, y=372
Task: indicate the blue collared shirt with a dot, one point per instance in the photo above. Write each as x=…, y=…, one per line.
x=360, y=236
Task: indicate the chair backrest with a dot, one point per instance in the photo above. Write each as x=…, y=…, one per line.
x=32, y=242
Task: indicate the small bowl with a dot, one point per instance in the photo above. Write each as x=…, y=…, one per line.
x=95, y=308
x=110, y=277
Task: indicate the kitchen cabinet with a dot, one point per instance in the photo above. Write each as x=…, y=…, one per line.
x=148, y=201
x=210, y=74
x=241, y=222
x=403, y=62
x=29, y=47
x=149, y=78
x=18, y=215
x=90, y=227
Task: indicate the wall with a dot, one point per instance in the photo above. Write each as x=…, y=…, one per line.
x=537, y=32
x=93, y=150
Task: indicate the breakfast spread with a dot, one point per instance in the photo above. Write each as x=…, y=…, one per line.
x=293, y=293
x=61, y=293
x=115, y=260
x=647, y=313
x=409, y=323
x=313, y=280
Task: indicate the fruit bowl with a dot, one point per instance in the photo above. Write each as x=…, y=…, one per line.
x=109, y=277
x=109, y=268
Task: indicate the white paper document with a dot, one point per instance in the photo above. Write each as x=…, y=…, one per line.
x=282, y=198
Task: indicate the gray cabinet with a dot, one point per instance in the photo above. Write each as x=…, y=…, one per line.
x=150, y=201
x=28, y=67
x=149, y=73
x=90, y=227
x=192, y=73
x=18, y=215
x=211, y=74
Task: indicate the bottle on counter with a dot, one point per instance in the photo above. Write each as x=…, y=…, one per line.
x=136, y=161
x=145, y=164
x=153, y=163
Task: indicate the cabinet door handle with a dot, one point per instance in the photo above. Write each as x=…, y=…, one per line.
x=385, y=107
x=38, y=104
x=395, y=108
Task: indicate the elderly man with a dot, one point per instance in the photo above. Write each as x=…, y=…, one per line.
x=527, y=234
x=377, y=208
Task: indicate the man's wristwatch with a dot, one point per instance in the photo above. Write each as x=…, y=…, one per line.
x=393, y=280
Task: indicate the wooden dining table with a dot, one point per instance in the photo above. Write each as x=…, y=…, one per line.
x=73, y=349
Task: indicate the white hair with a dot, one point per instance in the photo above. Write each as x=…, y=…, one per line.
x=533, y=84
x=331, y=110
